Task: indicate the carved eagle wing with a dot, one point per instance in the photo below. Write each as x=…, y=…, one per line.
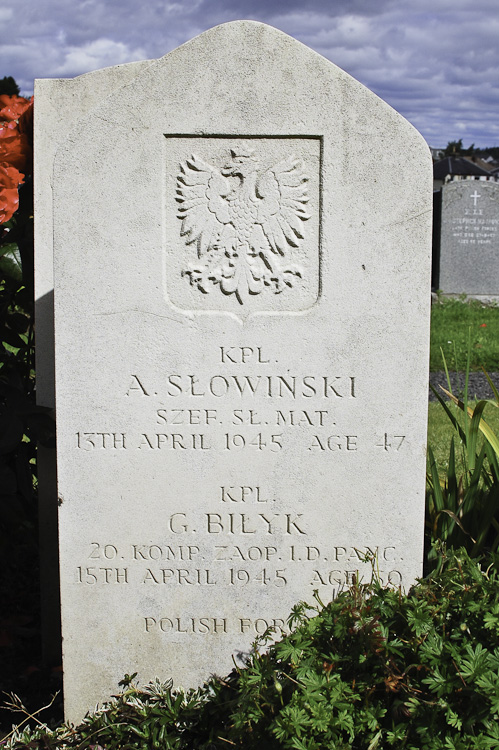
x=282, y=209
x=201, y=192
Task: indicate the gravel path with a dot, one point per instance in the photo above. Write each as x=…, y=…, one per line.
x=478, y=386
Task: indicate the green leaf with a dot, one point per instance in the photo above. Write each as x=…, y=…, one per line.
x=10, y=264
x=484, y=427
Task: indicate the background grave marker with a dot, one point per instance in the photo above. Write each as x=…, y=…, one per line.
x=469, y=238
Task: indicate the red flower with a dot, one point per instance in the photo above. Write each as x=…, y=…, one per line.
x=15, y=149
x=10, y=179
x=483, y=325
x=16, y=153
x=12, y=107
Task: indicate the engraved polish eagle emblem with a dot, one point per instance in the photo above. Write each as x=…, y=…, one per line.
x=244, y=220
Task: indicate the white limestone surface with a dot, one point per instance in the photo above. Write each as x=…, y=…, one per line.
x=242, y=275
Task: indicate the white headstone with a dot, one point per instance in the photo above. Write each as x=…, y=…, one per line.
x=242, y=269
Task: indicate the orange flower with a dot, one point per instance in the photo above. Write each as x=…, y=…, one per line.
x=15, y=149
x=10, y=179
x=12, y=107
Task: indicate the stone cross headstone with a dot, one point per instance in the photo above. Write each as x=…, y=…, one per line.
x=241, y=240
x=469, y=238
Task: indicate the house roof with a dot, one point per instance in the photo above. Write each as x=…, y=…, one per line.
x=488, y=166
x=457, y=165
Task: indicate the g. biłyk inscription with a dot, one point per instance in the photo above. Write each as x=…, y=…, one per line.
x=243, y=541
x=469, y=238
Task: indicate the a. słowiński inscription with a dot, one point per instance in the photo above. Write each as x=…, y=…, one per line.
x=243, y=417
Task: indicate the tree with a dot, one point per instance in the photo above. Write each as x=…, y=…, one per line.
x=8, y=86
x=455, y=148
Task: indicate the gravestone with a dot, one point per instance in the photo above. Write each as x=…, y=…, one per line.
x=469, y=238
x=241, y=240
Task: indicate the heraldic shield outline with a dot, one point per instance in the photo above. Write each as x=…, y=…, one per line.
x=242, y=223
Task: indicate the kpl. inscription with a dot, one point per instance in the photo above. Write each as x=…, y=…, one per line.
x=316, y=427
x=256, y=549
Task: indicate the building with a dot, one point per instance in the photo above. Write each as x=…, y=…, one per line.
x=461, y=168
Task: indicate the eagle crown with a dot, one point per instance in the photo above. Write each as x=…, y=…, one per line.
x=243, y=163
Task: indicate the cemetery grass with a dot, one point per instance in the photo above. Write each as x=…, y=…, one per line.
x=456, y=324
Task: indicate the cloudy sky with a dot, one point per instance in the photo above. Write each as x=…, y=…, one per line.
x=435, y=61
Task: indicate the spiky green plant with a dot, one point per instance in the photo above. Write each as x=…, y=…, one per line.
x=463, y=508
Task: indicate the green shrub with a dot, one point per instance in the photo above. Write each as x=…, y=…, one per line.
x=373, y=669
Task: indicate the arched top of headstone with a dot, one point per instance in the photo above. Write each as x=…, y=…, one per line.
x=263, y=77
